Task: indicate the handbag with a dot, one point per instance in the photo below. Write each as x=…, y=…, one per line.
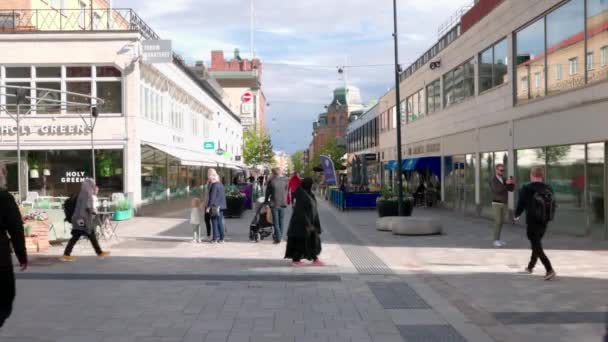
x=215, y=211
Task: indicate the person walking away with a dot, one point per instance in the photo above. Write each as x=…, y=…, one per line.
x=538, y=201
x=304, y=234
x=215, y=205
x=294, y=183
x=500, y=187
x=83, y=221
x=11, y=233
x=195, y=219
x=276, y=195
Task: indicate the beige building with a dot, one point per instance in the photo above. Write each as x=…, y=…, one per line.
x=492, y=91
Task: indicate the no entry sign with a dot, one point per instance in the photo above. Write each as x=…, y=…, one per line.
x=247, y=97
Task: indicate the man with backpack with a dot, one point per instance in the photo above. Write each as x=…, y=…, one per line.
x=538, y=200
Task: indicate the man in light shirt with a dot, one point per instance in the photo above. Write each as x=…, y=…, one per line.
x=500, y=189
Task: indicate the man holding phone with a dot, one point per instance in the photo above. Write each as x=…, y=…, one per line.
x=500, y=188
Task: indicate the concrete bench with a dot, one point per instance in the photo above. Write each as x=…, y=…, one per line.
x=384, y=224
x=415, y=226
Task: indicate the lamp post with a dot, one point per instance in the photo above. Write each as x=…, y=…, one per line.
x=94, y=115
x=20, y=98
x=398, y=108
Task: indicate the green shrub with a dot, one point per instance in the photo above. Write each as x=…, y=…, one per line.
x=123, y=205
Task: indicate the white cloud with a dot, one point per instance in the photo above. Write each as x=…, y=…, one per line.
x=294, y=38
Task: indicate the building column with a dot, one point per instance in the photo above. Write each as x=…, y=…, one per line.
x=132, y=150
x=511, y=168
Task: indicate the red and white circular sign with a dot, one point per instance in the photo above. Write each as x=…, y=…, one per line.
x=248, y=96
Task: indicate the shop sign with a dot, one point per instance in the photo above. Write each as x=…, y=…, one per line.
x=370, y=156
x=157, y=51
x=45, y=130
x=209, y=145
x=247, y=108
x=74, y=177
x=220, y=152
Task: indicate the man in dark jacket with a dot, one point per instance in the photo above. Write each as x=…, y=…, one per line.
x=217, y=199
x=276, y=195
x=535, y=229
x=11, y=233
x=500, y=200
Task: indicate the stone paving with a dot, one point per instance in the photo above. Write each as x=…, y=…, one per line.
x=158, y=286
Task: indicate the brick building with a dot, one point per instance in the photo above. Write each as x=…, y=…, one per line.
x=238, y=77
x=333, y=122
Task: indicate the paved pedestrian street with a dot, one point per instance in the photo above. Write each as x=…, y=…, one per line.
x=159, y=286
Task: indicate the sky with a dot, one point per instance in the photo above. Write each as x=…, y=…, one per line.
x=301, y=45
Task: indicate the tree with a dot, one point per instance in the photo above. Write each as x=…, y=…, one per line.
x=297, y=162
x=333, y=151
x=257, y=148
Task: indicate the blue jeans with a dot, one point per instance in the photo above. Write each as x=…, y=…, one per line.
x=277, y=221
x=218, y=227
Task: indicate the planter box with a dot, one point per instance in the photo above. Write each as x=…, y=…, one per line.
x=389, y=207
x=236, y=206
x=31, y=244
x=121, y=215
x=39, y=235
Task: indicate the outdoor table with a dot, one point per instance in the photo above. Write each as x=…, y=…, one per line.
x=107, y=227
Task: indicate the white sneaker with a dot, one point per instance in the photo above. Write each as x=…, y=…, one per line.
x=497, y=243
x=502, y=243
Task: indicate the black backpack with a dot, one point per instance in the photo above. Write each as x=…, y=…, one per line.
x=542, y=206
x=69, y=206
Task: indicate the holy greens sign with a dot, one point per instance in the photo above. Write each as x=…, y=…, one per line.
x=49, y=130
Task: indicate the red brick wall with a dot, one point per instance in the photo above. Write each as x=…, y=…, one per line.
x=475, y=14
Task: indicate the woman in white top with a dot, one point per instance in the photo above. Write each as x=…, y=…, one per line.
x=195, y=219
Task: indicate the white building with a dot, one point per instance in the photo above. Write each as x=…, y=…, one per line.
x=156, y=133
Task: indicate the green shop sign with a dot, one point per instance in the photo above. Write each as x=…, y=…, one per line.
x=209, y=145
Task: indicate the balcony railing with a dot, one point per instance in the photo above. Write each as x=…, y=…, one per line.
x=73, y=20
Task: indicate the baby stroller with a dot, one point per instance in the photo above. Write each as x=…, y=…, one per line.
x=261, y=226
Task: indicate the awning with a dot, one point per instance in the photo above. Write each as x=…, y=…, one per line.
x=391, y=165
x=409, y=164
x=432, y=164
x=185, y=157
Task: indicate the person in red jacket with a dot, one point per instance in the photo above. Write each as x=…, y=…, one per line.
x=293, y=185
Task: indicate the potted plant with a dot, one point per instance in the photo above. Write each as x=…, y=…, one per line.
x=33, y=165
x=122, y=210
x=235, y=202
x=387, y=203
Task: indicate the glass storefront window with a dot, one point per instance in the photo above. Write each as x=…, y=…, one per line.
x=153, y=173
x=526, y=160
x=596, y=164
x=530, y=48
x=433, y=98
x=566, y=175
x=48, y=72
x=469, y=184
x=111, y=93
x=48, y=101
x=18, y=72
x=108, y=71
x=11, y=101
x=84, y=71
x=79, y=88
x=597, y=38
x=565, y=41
x=60, y=172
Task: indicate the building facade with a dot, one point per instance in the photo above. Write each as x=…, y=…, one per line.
x=158, y=129
x=241, y=80
x=334, y=122
x=523, y=83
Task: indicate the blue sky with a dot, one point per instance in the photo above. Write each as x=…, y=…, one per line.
x=301, y=44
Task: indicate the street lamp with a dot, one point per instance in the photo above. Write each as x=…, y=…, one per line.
x=398, y=108
x=94, y=115
x=21, y=98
